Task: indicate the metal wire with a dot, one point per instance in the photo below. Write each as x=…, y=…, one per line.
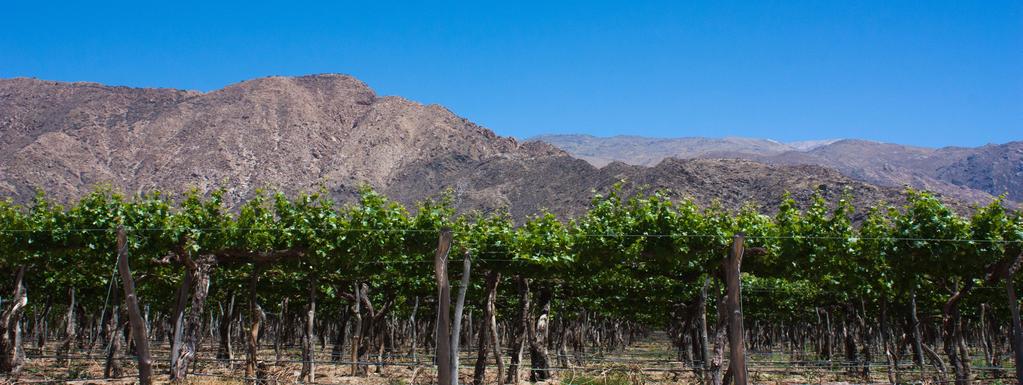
x=436, y=231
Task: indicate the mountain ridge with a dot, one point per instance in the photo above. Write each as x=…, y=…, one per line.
x=971, y=174
x=333, y=133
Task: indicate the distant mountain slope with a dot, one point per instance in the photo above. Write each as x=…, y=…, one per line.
x=993, y=168
x=644, y=151
x=968, y=174
x=332, y=132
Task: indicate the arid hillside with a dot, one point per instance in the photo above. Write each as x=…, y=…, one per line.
x=333, y=133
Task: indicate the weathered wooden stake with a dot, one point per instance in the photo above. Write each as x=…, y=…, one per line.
x=456, y=327
x=308, y=372
x=255, y=318
x=701, y=319
x=737, y=346
x=443, y=338
x=1017, y=333
x=138, y=325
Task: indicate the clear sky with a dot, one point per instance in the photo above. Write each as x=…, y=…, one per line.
x=930, y=73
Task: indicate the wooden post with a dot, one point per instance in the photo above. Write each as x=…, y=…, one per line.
x=308, y=372
x=413, y=328
x=701, y=319
x=737, y=346
x=255, y=319
x=443, y=338
x=1017, y=333
x=356, y=328
x=456, y=327
x=138, y=325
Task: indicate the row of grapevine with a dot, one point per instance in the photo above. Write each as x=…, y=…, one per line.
x=895, y=282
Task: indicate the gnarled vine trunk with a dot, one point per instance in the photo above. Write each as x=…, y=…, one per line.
x=366, y=330
x=717, y=361
x=178, y=333
x=952, y=333
x=521, y=328
x=225, y=351
x=701, y=319
x=192, y=330
x=11, y=358
x=337, y=351
x=70, y=330
x=255, y=321
x=1017, y=328
x=309, y=339
x=539, y=356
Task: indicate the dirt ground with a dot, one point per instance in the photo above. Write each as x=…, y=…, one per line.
x=649, y=361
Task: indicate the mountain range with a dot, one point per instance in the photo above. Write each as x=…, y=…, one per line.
x=333, y=133
x=971, y=175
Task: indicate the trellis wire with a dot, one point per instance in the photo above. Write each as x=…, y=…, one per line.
x=437, y=231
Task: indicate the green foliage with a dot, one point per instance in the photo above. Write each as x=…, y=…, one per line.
x=633, y=256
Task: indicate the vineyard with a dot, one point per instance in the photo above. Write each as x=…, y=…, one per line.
x=639, y=289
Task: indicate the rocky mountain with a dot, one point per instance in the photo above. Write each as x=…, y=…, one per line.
x=645, y=151
x=967, y=174
x=278, y=133
x=333, y=133
x=992, y=168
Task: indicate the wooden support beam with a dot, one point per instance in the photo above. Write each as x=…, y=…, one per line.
x=131, y=302
x=443, y=338
x=737, y=346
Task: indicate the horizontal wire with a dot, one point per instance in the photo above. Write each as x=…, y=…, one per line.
x=435, y=231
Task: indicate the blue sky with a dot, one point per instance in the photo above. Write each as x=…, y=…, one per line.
x=930, y=73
